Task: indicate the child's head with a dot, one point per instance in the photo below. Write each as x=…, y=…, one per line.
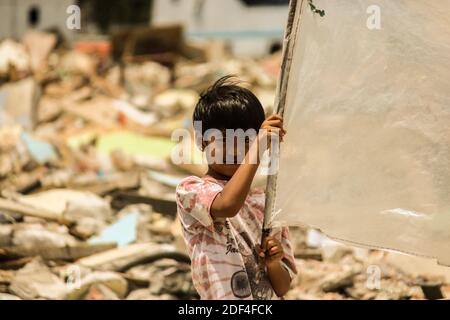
x=224, y=106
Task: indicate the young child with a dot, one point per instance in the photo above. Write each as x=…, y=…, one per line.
x=222, y=216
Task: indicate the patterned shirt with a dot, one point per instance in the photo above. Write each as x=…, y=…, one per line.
x=224, y=261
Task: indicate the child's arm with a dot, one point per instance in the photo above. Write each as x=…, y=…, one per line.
x=279, y=277
x=228, y=203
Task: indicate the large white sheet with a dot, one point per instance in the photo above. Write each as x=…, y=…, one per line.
x=367, y=154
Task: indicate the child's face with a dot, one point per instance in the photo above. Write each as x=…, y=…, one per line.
x=226, y=159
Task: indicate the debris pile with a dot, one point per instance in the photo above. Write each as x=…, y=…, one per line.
x=333, y=271
x=87, y=204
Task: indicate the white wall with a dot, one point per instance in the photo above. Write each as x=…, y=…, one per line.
x=251, y=29
x=14, y=16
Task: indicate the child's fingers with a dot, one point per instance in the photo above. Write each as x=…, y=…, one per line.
x=273, y=123
x=272, y=248
x=272, y=242
x=275, y=251
x=279, y=120
x=276, y=132
x=260, y=251
x=274, y=116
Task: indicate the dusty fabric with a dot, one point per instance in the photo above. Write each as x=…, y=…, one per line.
x=225, y=263
x=367, y=155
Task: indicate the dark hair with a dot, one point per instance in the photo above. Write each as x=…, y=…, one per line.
x=226, y=105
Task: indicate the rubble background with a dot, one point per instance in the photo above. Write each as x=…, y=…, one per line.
x=87, y=206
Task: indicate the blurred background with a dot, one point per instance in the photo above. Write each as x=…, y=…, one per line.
x=90, y=93
x=250, y=27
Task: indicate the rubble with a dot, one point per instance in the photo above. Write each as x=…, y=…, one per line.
x=100, y=292
x=87, y=203
x=5, y=235
x=25, y=210
x=14, y=59
x=172, y=102
x=40, y=151
x=90, y=211
x=125, y=257
x=17, y=102
x=144, y=294
x=339, y=281
x=39, y=45
x=36, y=235
x=123, y=231
x=36, y=280
x=146, y=80
x=9, y=297
x=371, y=278
x=109, y=284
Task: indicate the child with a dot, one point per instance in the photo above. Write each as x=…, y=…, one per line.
x=222, y=216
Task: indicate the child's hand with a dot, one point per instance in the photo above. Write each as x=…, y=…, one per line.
x=271, y=250
x=272, y=125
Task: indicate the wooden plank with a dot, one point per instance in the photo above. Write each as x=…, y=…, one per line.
x=9, y=205
x=119, y=258
x=69, y=253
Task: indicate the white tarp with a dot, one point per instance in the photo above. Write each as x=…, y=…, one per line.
x=367, y=155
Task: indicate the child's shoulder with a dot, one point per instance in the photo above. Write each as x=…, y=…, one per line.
x=194, y=195
x=196, y=180
x=193, y=183
x=189, y=180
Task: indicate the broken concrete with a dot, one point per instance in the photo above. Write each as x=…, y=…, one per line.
x=5, y=296
x=115, y=283
x=36, y=235
x=36, y=280
x=5, y=235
